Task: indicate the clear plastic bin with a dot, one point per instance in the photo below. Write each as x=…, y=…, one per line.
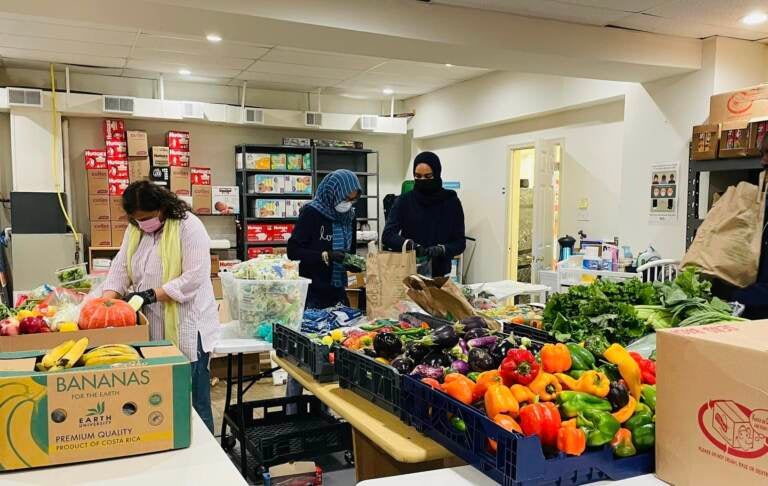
x=72, y=273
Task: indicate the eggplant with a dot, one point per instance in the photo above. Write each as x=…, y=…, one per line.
x=480, y=360
x=424, y=371
x=474, y=322
x=387, y=345
x=437, y=358
x=463, y=346
x=460, y=366
x=499, y=352
x=483, y=342
x=443, y=337
x=476, y=332
x=416, y=350
x=403, y=364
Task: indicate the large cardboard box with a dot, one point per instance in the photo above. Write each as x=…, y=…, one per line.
x=178, y=158
x=178, y=140
x=712, y=430
x=101, y=233
x=215, y=265
x=117, y=170
x=180, y=182
x=201, y=199
x=98, y=181
x=95, y=158
x=201, y=176
x=734, y=139
x=226, y=199
x=138, y=169
x=160, y=156
x=116, y=209
x=98, y=208
x=117, y=186
x=118, y=229
x=137, y=143
x=117, y=150
x=98, y=412
x=741, y=104
x=114, y=129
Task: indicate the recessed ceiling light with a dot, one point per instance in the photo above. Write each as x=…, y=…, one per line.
x=213, y=38
x=754, y=18
x=388, y=91
x=448, y=65
x=185, y=72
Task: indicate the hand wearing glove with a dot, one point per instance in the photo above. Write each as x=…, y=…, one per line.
x=420, y=251
x=148, y=296
x=337, y=256
x=434, y=251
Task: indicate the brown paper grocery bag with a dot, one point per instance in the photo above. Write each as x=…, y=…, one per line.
x=385, y=272
x=439, y=296
x=728, y=242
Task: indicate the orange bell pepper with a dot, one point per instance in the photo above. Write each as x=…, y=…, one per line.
x=459, y=389
x=506, y=422
x=499, y=399
x=546, y=386
x=555, y=358
x=523, y=394
x=433, y=383
x=485, y=379
x=571, y=439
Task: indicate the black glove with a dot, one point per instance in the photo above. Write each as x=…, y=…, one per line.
x=337, y=256
x=148, y=296
x=434, y=251
x=420, y=251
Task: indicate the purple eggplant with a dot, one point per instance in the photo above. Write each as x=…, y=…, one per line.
x=424, y=371
x=499, y=352
x=460, y=366
x=403, y=364
x=437, y=358
x=474, y=322
x=463, y=346
x=480, y=360
x=476, y=332
x=387, y=345
x=443, y=337
x=483, y=342
x=416, y=350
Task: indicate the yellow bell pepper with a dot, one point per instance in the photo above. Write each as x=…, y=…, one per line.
x=628, y=367
x=625, y=412
x=591, y=381
x=545, y=386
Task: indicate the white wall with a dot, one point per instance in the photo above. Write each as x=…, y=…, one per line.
x=592, y=141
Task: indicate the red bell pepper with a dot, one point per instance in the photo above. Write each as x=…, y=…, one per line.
x=647, y=368
x=543, y=420
x=519, y=366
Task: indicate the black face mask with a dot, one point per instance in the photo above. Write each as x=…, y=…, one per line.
x=428, y=186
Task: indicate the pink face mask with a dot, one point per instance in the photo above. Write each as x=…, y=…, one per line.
x=150, y=225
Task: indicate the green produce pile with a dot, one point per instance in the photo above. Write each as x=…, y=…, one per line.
x=625, y=311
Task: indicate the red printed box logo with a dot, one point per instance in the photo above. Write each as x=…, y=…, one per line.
x=117, y=150
x=178, y=141
x=255, y=251
x=201, y=176
x=735, y=429
x=178, y=158
x=95, y=159
x=117, y=170
x=114, y=130
x=117, y=187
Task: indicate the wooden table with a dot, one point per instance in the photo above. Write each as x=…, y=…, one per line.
x=384, y=446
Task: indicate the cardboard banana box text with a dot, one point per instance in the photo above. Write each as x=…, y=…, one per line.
x=95, y=412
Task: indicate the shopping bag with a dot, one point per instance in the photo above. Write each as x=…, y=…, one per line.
x=439, y=296
x=728, y=243
x=385, y=272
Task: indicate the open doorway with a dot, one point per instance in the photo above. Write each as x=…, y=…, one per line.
x=533, y=209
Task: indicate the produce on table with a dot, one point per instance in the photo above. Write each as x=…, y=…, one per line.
x=499, y=399
x=523, y=315
x=520, y=366
x=33, y=325
x=555, y=358
x=541, y=419
x=591, y=381
x=9, y=327
x=622, y=443
x=628, y=367
x=100, y=313
x=599, y=426
x=571, y=439
x=267, y=267
x=647, y=368
x=546, y=386
x=354, y=261
x=73, y=353
x=63, y=356
x=71, y=274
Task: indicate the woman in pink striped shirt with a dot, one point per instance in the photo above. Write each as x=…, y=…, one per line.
x=165, y=259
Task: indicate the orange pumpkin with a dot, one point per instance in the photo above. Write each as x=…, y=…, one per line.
x=101, y=313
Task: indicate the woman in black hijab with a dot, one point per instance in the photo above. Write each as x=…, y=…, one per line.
x=429, y=215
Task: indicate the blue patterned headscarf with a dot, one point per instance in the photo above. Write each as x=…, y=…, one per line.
x=332, y=190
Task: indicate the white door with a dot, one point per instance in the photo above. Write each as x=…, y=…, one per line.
x=544, y=207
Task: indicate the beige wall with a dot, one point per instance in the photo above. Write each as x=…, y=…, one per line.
x=214, y=147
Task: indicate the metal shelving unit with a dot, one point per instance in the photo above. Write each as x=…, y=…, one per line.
x=749, y=166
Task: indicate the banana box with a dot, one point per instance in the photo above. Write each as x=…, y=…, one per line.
x=111, y=408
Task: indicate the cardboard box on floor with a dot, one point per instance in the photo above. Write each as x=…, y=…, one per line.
x=99, y=412
x=714, y=429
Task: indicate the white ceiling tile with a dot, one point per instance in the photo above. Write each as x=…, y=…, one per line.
x=187, y=60
x=661, y=25
x=101, y=71
x=117, y=27
x=410, y=68
x=200, y=46
x=361, y=84
x=297, y=69
x=140, y=73
x=318, y=58
x=384, y=80
x=301, y=88
x=287, y=78
x=162, y=67
x=713, y=12
x=59, y=45
x=65, y=32
x=548, y=9
x=62, y=57
x=622, y=5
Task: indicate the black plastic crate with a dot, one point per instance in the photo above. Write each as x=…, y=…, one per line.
x=521, y=330
x=313, y=357
x=519, y=460
x=276, y=437
x=374, y=381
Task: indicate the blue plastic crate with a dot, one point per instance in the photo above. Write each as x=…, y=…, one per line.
x=519, y=460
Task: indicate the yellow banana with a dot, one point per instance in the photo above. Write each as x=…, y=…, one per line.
x=115, y=347
x=55, y=354
x=74, y=354
x=20, y=440
x=108, y=360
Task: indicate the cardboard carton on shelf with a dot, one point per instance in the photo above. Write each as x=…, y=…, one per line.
x=114, y=130
x=278, y=161
x=734, y=139
x=705, y=142
x=117, y=169
x=714, y=432
x=101, y=233
x=225, y=199
x=118, y=229
x=137, y=143
x=178, y=140
x=180, y=182
x=178, y=158
x=160, y=156
x=117, y=186
x=215, y=265
x=117, y=150
x=201, y=176
x=217, y=291
x=138, y=169
x=758, y=128
x=116, y=209
x=98, y=208
x=138, y=415
x=98, y=181
x=95, y=159
x=741, y=104
x=201, y=199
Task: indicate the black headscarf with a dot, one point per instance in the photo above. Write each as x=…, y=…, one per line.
x=437, y=194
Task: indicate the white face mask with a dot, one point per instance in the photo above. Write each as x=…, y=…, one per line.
x=344, y=206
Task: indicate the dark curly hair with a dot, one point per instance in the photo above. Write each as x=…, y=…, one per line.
x=146, y=196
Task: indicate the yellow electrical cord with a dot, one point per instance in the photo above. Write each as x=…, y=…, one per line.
x=56, y=179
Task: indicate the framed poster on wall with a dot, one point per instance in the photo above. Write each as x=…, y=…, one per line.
x=664, y=193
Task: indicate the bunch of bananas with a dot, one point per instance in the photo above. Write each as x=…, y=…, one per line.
x=63, y=356
x=110, y=354
x=20, y=400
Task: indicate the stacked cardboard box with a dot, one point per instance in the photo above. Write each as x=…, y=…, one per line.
x=178, y=162
x=138, y=155
x=201, y=190
x=98, y=196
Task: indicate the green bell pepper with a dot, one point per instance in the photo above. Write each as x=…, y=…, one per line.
x=622, y=444
x=473, y=376
x=572, y=403
x=610, y=370
x=642, y=409
x=648, y=396
x=458, y=424
x=600, y=427
x=581, y=358
x=576, y=374
x=644, y=436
